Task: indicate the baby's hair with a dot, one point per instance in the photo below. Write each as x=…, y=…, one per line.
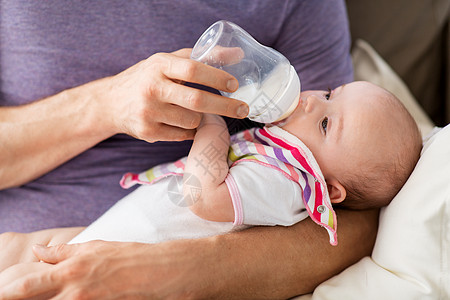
x=379, y=181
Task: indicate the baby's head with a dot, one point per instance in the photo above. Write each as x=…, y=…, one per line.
x=363, y=138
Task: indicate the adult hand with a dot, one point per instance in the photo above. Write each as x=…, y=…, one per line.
x=149, y=100
x=112, y=270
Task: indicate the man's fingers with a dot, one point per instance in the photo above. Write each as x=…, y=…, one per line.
x=54, y=254
x=206, y=102
x=177, y=116
x=188, y=70
x=176, y=69
x=172, y=133
x=184, y=53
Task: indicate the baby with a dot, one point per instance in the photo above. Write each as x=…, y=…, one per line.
x=352, y=147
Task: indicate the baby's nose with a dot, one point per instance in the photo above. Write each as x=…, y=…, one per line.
x=311, y=102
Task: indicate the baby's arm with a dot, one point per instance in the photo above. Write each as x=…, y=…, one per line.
x=207, y=162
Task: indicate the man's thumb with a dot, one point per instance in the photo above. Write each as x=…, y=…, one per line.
x=53, y=254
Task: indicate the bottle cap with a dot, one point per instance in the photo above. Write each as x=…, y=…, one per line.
x=285, y=103
x=291, y=95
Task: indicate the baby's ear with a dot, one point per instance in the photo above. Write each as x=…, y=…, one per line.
x=336, y=191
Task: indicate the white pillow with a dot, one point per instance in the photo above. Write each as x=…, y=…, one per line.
x=411, y=257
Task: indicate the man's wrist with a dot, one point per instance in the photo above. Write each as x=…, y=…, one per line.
x=92, y=102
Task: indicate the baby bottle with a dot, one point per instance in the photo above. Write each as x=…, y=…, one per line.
x=268, y=83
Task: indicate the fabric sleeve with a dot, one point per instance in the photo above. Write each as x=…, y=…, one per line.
x=315, y=37
x=263, y=196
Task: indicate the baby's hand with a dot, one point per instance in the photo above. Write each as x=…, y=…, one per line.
x=211, y=119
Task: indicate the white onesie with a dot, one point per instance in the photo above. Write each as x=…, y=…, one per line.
x=273, y=180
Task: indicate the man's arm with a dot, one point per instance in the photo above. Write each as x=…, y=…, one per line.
x=282, y=262
x=261, y=262
x=207, y=162
x=147, y=101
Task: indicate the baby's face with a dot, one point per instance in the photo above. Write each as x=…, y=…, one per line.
x=340, y=127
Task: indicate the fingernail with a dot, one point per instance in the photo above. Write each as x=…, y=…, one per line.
x=232, y=85
x=242, y=111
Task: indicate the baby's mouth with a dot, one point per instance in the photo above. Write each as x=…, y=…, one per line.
x=283, y=122
x=280, y=123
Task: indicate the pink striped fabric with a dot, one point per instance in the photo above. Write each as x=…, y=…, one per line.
x=275, y=147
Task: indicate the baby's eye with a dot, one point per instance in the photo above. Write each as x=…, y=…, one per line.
x=325, y=124
x=327, y=95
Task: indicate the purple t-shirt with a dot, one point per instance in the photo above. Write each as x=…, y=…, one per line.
x=49, y=46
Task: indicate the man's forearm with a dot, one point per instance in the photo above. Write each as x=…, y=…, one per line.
x=40, y=136
x=281, y=262
x=258, y=263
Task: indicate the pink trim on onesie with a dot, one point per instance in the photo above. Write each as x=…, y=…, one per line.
x=235, y=199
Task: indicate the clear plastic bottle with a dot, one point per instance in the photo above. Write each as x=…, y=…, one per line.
x=268, y=83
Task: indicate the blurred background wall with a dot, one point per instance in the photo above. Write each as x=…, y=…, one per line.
x=413, y=37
